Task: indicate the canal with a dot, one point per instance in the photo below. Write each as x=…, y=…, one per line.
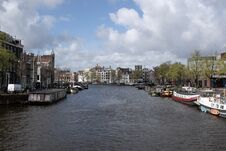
x=110, y=118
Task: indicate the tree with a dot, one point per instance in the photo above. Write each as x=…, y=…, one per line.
x=163, y=72
x=195, y=66
x=177, y=72
x=7, y=59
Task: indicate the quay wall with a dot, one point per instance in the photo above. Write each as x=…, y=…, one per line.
x=6, y=99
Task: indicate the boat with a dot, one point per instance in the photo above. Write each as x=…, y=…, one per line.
x=156, y=91
x=166, y=93
x=187, y=95
x=212, y=102
x=71, y=90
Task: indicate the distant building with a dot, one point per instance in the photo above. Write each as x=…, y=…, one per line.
x=64, y=77
x=138, y=67
x=146, y=75
x=124, y=75
x=99, y=74
x=13, y=74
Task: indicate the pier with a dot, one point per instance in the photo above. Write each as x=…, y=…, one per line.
x=47, y=96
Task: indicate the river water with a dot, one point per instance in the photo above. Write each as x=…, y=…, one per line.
x=110, y=118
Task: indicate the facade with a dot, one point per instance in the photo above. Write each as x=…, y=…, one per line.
x=99, y=74
x=64, y=77
x=12, y=74
x=28, y=70
x=45, y=71
x=215, y=64
x=124, y=75
x=138, y=67
x=146, y=75
x=84, y=76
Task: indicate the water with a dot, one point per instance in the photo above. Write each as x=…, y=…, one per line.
x=106, y=118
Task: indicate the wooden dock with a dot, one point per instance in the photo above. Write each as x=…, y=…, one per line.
x=46, y=96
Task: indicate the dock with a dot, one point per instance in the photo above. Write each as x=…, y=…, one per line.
x=46, y=96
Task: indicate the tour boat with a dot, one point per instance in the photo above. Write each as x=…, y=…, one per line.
x=211, y=102
x=186, y=96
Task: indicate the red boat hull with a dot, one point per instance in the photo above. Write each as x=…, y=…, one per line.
x=188, y=100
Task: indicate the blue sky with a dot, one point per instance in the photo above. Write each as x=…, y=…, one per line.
x=123, y=33
x=82, y=18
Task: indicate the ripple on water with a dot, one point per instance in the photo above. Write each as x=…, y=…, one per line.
x=111, y=118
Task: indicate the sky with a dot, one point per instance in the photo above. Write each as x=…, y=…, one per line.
x=84, y=33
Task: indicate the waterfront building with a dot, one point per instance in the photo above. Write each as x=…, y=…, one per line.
x=124, y=75
x=64, y=77
x=45, y=70
x=28, y=70
x=216, y=70
x=103, y=75
x=13, y=74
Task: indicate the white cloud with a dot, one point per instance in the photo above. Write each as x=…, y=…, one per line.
x=172, y=28
x=21, y=18
x=161, y=30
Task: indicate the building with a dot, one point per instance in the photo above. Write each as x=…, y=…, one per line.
x=99, y=74
x=124, y=75
x=216, y=70
x=84, y=76
x=45, y=71
x=64, y=77
x=28, y=70
x=12, y=74
x=138, y=67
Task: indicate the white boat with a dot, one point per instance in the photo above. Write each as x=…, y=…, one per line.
x=211, y=102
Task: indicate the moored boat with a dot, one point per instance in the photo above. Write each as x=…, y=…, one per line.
x=187, y=95
x=167, y=93
x=186, y=98
x=211, y=102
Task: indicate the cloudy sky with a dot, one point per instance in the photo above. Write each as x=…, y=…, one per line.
x=123, y=33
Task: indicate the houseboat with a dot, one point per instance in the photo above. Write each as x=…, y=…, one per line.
x=212, y=102
x=186, y=95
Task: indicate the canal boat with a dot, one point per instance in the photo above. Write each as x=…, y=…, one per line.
x=72, y=90
x=156, y=91
x=166, y=93
x=212, y=102
x=186, y=95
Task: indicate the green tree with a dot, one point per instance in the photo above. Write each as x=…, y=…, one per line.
x=7, y=59
x=164, y=72
x=177, y=72
x=195, y=66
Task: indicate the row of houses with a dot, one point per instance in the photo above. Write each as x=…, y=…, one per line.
x=29, y=70
x=108, y=75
